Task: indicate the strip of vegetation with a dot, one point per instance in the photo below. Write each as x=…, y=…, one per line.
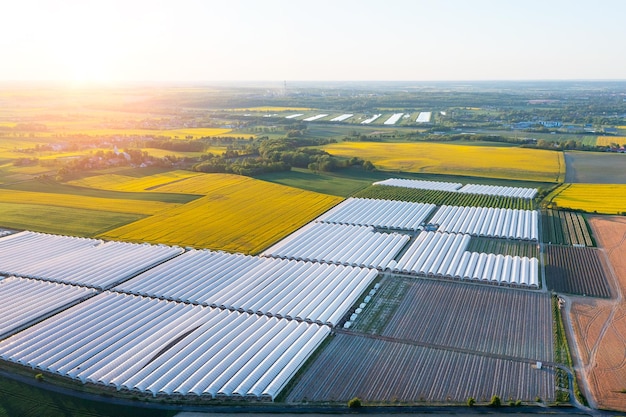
x=382, y=307
x=565, y=228
x=440, y=198
x=563, y=356
x=504, y=247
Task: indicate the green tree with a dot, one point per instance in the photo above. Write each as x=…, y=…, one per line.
x=495, y=401
x=355, y=403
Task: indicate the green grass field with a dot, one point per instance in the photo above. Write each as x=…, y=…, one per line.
x=347, y=182
x=18, y=399
x=61, y=220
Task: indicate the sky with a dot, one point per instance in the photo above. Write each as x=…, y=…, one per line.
x=108, y=41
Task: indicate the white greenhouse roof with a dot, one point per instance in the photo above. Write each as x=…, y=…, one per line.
x=24, y=301
x=386, y=214
x=167, y=348
x=443, y=255
x=313, y=292
x=71, y=260
x=489, y=222
x=518, y=192
x=340, y=244
x=423, y=185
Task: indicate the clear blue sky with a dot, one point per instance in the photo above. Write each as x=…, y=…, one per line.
x=231, y=40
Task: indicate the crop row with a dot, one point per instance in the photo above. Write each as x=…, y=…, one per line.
x=236, y=215
x=576, y=271
x=565, y=228
x=394, y=372
x=490, y=320
x=504, y=247
x=442, y=198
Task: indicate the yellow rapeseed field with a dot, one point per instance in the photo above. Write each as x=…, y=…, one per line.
x=608, y=140
x=84, y=202
x=116, y=182
x=238, y=214
x=203, y=184
x=438, y=158
x=601, y=198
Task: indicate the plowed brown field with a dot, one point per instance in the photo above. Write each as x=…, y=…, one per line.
x=600, y=325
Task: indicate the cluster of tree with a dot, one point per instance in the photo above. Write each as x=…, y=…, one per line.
x=563, y=145
x=271, y=155
x=245, y=166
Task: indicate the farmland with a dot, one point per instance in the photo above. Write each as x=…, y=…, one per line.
x=68, y=221
x=595, y=168
x=576, y=271
x=441, y=198
x=503, y=246
x=600, y=325
x=610, y=140
x=120, y=182
x=236, y=214
x=592, y=198
x=481, y=161
x=565, y=228
x=487, y=320
x=392, y=372
x=138, y=207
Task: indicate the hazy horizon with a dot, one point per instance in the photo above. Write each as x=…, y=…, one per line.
x=198, y=41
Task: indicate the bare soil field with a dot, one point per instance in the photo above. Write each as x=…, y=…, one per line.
x=391, y=372
x=595, y=168
x=600, y=325
x=574, y=270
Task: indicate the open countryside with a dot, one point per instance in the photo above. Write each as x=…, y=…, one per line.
x=236, y=214
x=487, y=161
x=592, y=198
x=272, y=251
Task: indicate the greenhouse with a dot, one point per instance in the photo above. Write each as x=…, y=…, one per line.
x=111, y=340
x=502, y=191
x=444, y=255
x=384, y=214
x=312, y=292
x=489, y=222
x=340, y=244
x=420, y=184
x=71, y=260
x=24, y=301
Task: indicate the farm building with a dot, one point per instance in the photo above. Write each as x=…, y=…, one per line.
x=385, y=214
x=70, y=260
x=424, y=185
x=490, y=222
x=340, y=244
x=24, y=301
x=444, y=255
x=110, y=340
x=312, y=292
x=518, y=192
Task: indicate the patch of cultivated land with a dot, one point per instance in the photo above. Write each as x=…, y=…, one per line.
x=388, y=371
x=482, y=319
x=600, y=325
x=593, y=198
x=595, y=168
x=439, y=158
x=576, y=270
x=440, y=342
x=235, y=214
